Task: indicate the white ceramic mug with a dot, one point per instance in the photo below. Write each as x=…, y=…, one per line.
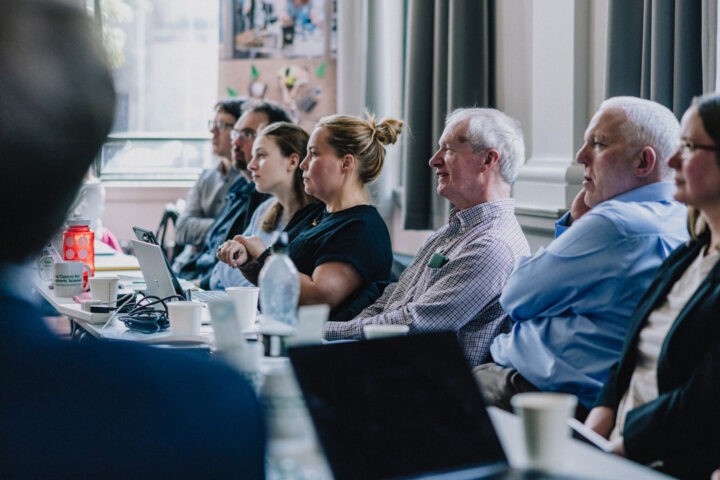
x=104, y=288
x=544, y=417
x=68, y=277
x=245, y=300
x=185, y=317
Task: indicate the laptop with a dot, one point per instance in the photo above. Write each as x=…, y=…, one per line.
x=400, y=407
x=160, y=280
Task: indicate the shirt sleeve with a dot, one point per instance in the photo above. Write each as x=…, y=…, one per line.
x=362, y=245
x=551, y=281
x=464, y=287
x=561, y=225
x=223, y=275
x=192, y=225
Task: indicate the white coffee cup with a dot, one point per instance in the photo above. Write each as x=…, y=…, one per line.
x=104, y=288
x=228, y=334
x=544, y=417
x=380, y=331
x=311, y=319
x=185, y=317
x=245, y=300
x=68, y=277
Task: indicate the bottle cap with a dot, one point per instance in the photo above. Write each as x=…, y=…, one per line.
x=281, y=243
x=78, y=222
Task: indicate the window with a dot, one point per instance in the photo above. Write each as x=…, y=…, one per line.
x=164, y=55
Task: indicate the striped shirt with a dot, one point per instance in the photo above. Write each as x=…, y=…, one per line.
x=481, y=245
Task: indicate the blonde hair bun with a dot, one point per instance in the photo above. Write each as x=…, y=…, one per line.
x=387, y=131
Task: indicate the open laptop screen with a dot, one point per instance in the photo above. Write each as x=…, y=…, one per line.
x=396, y=407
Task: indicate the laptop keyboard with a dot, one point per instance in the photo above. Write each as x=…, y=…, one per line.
x=205, y=295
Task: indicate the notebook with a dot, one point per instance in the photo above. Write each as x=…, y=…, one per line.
x=400, y=407
x=160, y=280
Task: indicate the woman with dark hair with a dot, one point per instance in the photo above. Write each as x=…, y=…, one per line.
x=340, y=245
x=274, y=167
x=660, y=402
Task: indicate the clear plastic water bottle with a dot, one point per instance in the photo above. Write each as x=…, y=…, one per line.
x=279, y=285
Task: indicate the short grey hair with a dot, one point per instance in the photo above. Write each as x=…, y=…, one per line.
x=491, y=128
x=649, y=124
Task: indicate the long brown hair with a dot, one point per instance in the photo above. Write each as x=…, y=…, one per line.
x=290, y=139
x=708, y=109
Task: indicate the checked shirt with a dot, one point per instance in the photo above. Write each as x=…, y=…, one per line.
x=481, y=245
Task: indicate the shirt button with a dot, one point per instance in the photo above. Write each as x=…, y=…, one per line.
x=447, y=240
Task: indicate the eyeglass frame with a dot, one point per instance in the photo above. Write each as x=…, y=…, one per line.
x=219, y=124
x=687, y=147
x=244, y=134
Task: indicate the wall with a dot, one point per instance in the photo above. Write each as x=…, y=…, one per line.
x=550, y=73
x=138, y=204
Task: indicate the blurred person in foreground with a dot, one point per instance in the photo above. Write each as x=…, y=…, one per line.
x=99, y=409
x=660, y=401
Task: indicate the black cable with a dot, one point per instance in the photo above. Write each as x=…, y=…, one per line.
x=144, y=318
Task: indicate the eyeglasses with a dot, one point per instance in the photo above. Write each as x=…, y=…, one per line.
x=244, y=134
x=219, y=125
x=687, y=147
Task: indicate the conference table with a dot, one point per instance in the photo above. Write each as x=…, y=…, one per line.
x=297, y=454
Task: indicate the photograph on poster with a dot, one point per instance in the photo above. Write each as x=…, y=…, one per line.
x=283, y=28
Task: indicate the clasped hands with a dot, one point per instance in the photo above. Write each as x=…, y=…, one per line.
x=240, y=250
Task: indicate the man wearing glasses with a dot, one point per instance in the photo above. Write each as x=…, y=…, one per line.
x=571, y=301
x=242, y=198
x=207, y=197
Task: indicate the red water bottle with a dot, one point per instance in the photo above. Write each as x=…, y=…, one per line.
x=79, y=242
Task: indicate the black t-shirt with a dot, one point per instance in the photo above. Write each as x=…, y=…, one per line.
x=356, y=235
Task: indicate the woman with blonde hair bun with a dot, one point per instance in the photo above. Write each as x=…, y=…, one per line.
x=340, y=245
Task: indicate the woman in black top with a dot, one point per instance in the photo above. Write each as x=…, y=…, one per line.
x=660, y=402
x=341, y=245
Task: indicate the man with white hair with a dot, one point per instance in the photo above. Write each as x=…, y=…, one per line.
x=456, y=278
x=571, y=301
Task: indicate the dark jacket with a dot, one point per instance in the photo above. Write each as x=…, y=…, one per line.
x=107, y=409
x=682, y=426
x=240, y=203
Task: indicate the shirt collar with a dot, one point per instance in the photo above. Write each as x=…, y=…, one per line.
x=654, y=192
x=482, y=212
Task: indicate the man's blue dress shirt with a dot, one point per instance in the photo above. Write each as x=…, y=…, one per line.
x=571, y=301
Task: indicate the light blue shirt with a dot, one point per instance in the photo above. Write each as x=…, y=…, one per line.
x=571, y=301
x=223, y=275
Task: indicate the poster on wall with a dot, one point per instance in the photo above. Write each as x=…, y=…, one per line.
x=283, y=51
x=305, y=87
x=283, y=28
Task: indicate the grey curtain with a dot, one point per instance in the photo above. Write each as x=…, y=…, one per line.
x=449, y=63
x=709, y=41
x=655, y=51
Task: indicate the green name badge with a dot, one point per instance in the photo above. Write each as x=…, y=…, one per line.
x=437, y=260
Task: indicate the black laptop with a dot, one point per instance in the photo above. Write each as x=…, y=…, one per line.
x=400, y=407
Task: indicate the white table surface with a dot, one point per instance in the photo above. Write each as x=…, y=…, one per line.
x=582, y=459
x=93, y=323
